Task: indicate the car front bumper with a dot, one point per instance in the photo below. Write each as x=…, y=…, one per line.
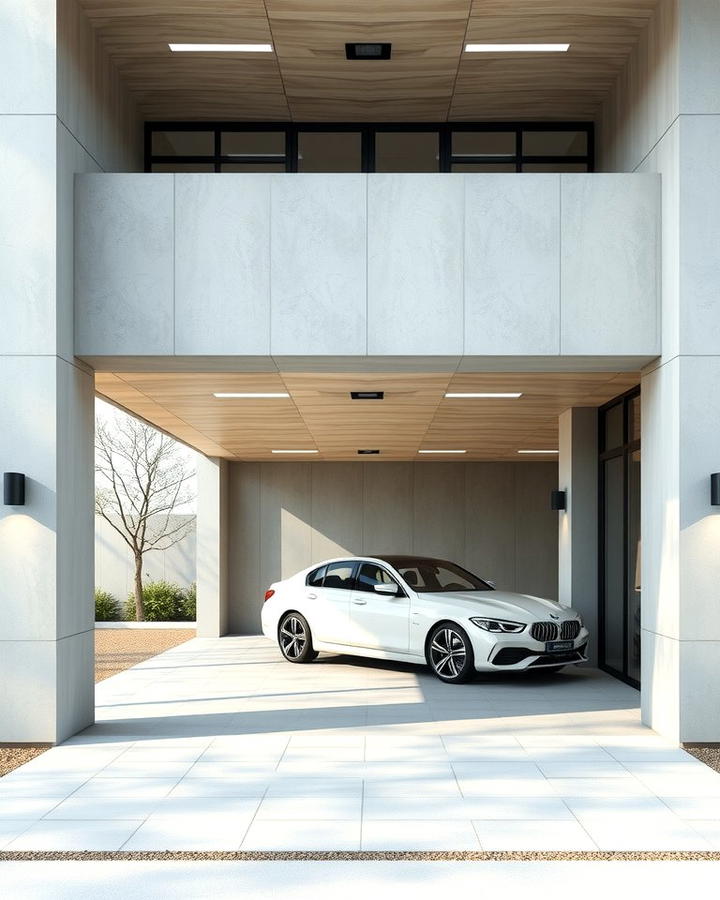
x=519, y=652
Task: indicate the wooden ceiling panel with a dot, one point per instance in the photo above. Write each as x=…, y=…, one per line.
x=319, y=414
x=429, y=78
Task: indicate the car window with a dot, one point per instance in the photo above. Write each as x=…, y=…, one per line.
x=315, y=579
x=425, y=575
x=370, y=575
x=339, y=575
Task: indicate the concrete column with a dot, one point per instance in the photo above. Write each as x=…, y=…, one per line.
x=46, y=409
x=212, y=547
x=578, y=524
x=681, y=412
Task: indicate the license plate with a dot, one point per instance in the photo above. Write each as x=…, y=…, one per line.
x=558, y=646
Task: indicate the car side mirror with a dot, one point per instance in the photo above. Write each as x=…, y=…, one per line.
x=387, y=590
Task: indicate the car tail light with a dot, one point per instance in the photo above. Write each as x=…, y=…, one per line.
x=268, y=594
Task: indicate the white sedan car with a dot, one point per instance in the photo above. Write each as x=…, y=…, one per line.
x=419, y=610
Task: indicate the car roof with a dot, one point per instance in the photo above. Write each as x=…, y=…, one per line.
x=392, y=559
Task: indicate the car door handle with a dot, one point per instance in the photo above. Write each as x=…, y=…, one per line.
x=360, y=602
x=311, y=596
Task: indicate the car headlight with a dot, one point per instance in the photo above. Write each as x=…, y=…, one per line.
x=498, y=626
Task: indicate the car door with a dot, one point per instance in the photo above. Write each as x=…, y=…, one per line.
x=379, y=621
x=327, y=600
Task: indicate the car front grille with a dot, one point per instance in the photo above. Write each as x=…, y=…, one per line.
x=551, y=631
x=544, y=631
x=569, y=630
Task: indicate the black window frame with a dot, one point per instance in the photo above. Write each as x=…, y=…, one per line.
x=315, y=571
x=624, y=450
x=368, y=130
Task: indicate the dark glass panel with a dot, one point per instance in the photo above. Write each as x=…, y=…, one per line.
x=554, y=143
x=252, y=167
x=614, y=625
x=183, y=143
x=252, y=143
x=634, y=569
x=483, y=167
x=324, y=151
x=183, y=167
x=613, y=427
x=483, y=143
x=406, y=151
x=554, y=167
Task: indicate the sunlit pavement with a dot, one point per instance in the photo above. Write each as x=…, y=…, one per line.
x=222, y=745
x=321, y=880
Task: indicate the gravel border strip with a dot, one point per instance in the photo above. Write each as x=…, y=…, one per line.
x=356, y=856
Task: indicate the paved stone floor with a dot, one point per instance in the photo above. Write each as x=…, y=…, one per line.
x=222, y=745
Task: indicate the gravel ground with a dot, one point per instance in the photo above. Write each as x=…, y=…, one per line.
x=709, y=755
x=119, y=649
x=115, y=651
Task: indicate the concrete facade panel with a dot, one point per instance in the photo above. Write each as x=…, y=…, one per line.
x=415, y=252
x=27, y=234
x=222, y=265
x=318, y=264
x=512, y=264
x=609, y=264
x=124, y=285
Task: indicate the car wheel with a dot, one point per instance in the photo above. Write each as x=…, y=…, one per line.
x=450, y=653
x=295, y=639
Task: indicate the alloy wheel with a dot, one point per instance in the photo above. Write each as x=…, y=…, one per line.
x=293, y=637
x=448, y=653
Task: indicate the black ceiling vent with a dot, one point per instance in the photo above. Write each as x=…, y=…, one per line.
x=368, y=452
x=367, y=395
x=367, y=51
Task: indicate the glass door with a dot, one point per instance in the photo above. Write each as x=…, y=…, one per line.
x=620, y=544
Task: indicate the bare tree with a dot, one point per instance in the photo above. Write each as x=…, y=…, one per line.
x=141, y=480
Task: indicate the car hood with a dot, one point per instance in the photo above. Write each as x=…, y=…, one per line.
x=500, y=605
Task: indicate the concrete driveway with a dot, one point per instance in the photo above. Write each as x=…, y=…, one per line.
x=222, y=745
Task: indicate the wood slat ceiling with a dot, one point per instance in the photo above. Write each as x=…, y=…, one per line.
x=319, y=414
x=429, y=78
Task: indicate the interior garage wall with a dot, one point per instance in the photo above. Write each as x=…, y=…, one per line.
x=494, y=518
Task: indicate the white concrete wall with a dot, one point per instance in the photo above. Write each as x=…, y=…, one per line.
x=115, y=568
x=494, y=518
x=46, y=396
x=664, y=117
x=212, y=546
x=355, y=265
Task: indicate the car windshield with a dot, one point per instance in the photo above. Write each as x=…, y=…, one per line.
x=435, y=575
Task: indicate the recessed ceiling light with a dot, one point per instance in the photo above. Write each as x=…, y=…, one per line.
x=487, y=396
x=368, y=452
x=221, y=48
x=517, y=48
x=294, y=451
x=367, y=51
x=442, y=451
x=538, y=451
x=250, y=395
x=367, y=395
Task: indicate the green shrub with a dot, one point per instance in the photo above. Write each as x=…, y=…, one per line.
x=188, y=605
x=106, y=607
x=164, y=602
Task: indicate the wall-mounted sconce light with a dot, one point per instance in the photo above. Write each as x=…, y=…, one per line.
x=715, y=489
x=558, y=500
x=13, y=489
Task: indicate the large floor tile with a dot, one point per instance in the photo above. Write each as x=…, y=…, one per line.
x=192, y=831
x=26, y=807
x=65, y=835
x=149, y=788
x=694, y=807
x=303, y=835
x=418, y=835
x=310, y=808
x=533, y=835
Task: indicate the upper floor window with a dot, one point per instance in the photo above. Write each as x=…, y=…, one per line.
x=360, y=147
